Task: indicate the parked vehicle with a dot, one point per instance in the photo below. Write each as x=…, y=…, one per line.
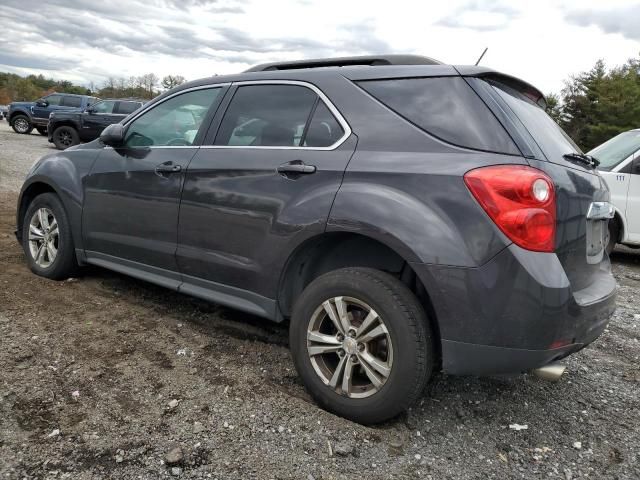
x=68, y=128
x=25, y=116
x=620, y=166
x=406, y=216
x=4, y=110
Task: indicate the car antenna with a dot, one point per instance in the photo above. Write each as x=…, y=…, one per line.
x=485, y=51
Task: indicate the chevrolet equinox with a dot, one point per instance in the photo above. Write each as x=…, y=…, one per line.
x=405, y=216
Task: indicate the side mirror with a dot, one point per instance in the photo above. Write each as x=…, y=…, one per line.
x=42, y=103
x=113, y=135
x=90, y=110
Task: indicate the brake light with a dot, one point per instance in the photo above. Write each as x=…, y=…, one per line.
x=520, y=200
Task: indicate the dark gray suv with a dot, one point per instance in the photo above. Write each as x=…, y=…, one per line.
x=405, y=217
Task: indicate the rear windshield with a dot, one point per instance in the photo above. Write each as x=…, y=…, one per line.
x=619, y=148
x=445, y=107
x=551, y=139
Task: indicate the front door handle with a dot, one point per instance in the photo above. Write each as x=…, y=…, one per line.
x=296, y=167
x=168, y=168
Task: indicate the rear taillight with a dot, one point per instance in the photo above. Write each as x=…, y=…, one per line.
x=520, y=200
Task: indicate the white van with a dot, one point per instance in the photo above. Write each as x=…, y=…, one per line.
x=620, y=167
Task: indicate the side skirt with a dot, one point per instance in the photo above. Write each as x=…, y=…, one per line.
x=233, y=297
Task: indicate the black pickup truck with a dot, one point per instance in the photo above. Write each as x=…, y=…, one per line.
x=66, y=129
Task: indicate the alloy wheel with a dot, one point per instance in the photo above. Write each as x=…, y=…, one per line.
x=43, y=237
x=21, y=125
x=64, y=138
x=349, y=347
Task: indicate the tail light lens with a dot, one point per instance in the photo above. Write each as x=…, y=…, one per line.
x=520, y=200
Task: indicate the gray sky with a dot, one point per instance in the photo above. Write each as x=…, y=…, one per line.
x=542, y=42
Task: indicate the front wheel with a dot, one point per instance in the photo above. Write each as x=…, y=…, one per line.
x=362, y=344
x=65, y=137
x=21, y=124
x=46, y=238
x=42, y=131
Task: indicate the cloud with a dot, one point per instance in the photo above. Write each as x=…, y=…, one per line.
x=213, y=31
x=480, y=15
x=624, y=20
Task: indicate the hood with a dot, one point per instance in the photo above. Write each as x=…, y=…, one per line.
x=21, y=104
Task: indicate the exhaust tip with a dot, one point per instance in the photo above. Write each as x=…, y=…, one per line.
x=551, y=372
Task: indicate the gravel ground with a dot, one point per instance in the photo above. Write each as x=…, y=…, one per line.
x=107, y=377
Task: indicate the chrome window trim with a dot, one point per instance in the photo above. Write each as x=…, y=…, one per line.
x=186, y=90
x=334, y=111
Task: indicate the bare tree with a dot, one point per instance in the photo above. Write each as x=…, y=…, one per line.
x=171, y=81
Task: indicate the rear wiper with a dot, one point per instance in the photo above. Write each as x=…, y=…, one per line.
x=581, y=157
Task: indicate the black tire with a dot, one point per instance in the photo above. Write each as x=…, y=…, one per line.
x=42, y=131
x=409, y=330
x=65, y=137
x=614, y=235
x=65, y=264
x=21, y=124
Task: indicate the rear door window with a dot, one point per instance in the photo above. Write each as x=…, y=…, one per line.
x=267, y=115
x=68, y=101
x=125, y=108
x=445, y=107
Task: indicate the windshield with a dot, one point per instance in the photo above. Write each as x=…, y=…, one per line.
x=551, y=139
x=619, y=148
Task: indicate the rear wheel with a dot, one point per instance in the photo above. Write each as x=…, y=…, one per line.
x=21, y=124
x=65, y=137
x=42, y=130
x=362, y=344
x=614, y=235
x=46, y=238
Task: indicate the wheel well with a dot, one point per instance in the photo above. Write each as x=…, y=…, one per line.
x=32, y=191
x=332, y=251
x=65, y=124
x=619, y=223
x=15, y=114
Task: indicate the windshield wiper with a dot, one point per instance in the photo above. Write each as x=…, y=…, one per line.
x=583, y=158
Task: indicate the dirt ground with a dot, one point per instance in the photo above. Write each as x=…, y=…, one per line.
x=104, y=376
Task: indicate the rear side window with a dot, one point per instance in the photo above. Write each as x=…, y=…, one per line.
x=446, y=108
x=324, y=130
x=71, y=101
x=125, y=108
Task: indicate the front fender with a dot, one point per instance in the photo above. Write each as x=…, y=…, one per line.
x=63, y=173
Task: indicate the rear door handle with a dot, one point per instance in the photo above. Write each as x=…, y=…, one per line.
x=168, y=168
x=296, y=167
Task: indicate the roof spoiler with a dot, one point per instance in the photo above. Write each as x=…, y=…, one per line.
x=520, y=85
x=368, y=60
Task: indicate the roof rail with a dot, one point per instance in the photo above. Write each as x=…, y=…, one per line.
x=370, y=60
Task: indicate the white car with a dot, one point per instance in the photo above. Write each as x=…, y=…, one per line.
x=620, y=167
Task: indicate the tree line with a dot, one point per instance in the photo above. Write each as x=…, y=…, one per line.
x=15, y=88
x=598, y=104
x=592, y=107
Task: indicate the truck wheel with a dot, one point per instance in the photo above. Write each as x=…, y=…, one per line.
x=47, y=240
x=42, y=130
x=21, y=124
x=65, y=137
x=362, y=344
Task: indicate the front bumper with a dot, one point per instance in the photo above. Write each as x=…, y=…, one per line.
x=515, y=313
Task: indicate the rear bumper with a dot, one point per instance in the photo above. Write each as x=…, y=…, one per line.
x=515, y=313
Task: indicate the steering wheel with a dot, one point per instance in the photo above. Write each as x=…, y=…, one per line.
x=177, y=142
